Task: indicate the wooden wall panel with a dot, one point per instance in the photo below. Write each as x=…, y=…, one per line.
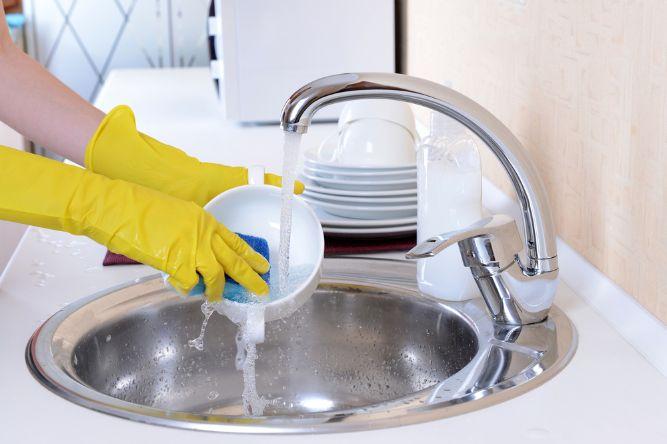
x=583, y=84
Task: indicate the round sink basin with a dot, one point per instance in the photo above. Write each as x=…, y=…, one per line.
x=367, y=350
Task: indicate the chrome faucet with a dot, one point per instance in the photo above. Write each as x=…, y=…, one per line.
x=516, y=277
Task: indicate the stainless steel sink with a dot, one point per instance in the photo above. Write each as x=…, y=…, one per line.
x=366, y=351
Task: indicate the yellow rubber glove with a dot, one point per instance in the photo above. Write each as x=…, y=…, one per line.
x=117, y=150
x=172, y=235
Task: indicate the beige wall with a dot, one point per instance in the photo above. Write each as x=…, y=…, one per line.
x=583, y=84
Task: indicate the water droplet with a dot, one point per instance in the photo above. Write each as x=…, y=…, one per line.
x=537, y=433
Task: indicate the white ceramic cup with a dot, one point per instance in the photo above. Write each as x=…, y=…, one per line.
x=254, y=209
x=375, y=143
x=373, y=133
x=384, y=109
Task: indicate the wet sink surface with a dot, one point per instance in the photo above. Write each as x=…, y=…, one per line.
x=367, y=350
x=343, y=349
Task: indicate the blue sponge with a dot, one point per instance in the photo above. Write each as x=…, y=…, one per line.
x=233, y=290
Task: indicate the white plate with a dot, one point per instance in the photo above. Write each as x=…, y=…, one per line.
x=373, y=201
x=332, y=221
x=311, y=158
x=395, y=231
x=364, y=176
x=365, y=212
x=310, y=186
x=357, y=185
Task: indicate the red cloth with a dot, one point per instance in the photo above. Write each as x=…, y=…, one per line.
x=341, y=245
x=117, y=259
x=332, y=246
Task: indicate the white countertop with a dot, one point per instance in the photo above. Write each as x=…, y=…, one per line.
x=607, y=394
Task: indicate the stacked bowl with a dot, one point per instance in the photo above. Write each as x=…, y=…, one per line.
x=362, y=181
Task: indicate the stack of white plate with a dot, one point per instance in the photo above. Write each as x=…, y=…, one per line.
x=362, y=202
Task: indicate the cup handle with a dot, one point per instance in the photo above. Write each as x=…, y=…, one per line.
x=322, y=153
x=256, y=175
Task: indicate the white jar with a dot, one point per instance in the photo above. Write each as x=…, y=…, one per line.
x=449, y=198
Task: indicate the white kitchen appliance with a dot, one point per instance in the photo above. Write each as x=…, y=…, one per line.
x=263, y=50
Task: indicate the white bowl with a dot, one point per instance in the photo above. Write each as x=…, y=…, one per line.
x=255, y=210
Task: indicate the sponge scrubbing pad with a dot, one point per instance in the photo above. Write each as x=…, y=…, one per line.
x=233, y=290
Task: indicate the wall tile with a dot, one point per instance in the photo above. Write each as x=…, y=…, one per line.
x=583, y=86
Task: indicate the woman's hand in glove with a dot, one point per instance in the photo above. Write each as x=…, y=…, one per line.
x=117, y=150
x=170, y=234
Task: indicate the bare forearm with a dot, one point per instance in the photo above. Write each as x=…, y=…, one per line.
x=40, y=107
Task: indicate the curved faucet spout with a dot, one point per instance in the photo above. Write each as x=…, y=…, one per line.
x=539, y=238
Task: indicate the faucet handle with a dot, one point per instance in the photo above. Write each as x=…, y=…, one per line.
x=490, y=242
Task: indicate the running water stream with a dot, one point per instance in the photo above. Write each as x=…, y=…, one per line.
x=251, y=332
x=291, y=148
x=251, y=321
